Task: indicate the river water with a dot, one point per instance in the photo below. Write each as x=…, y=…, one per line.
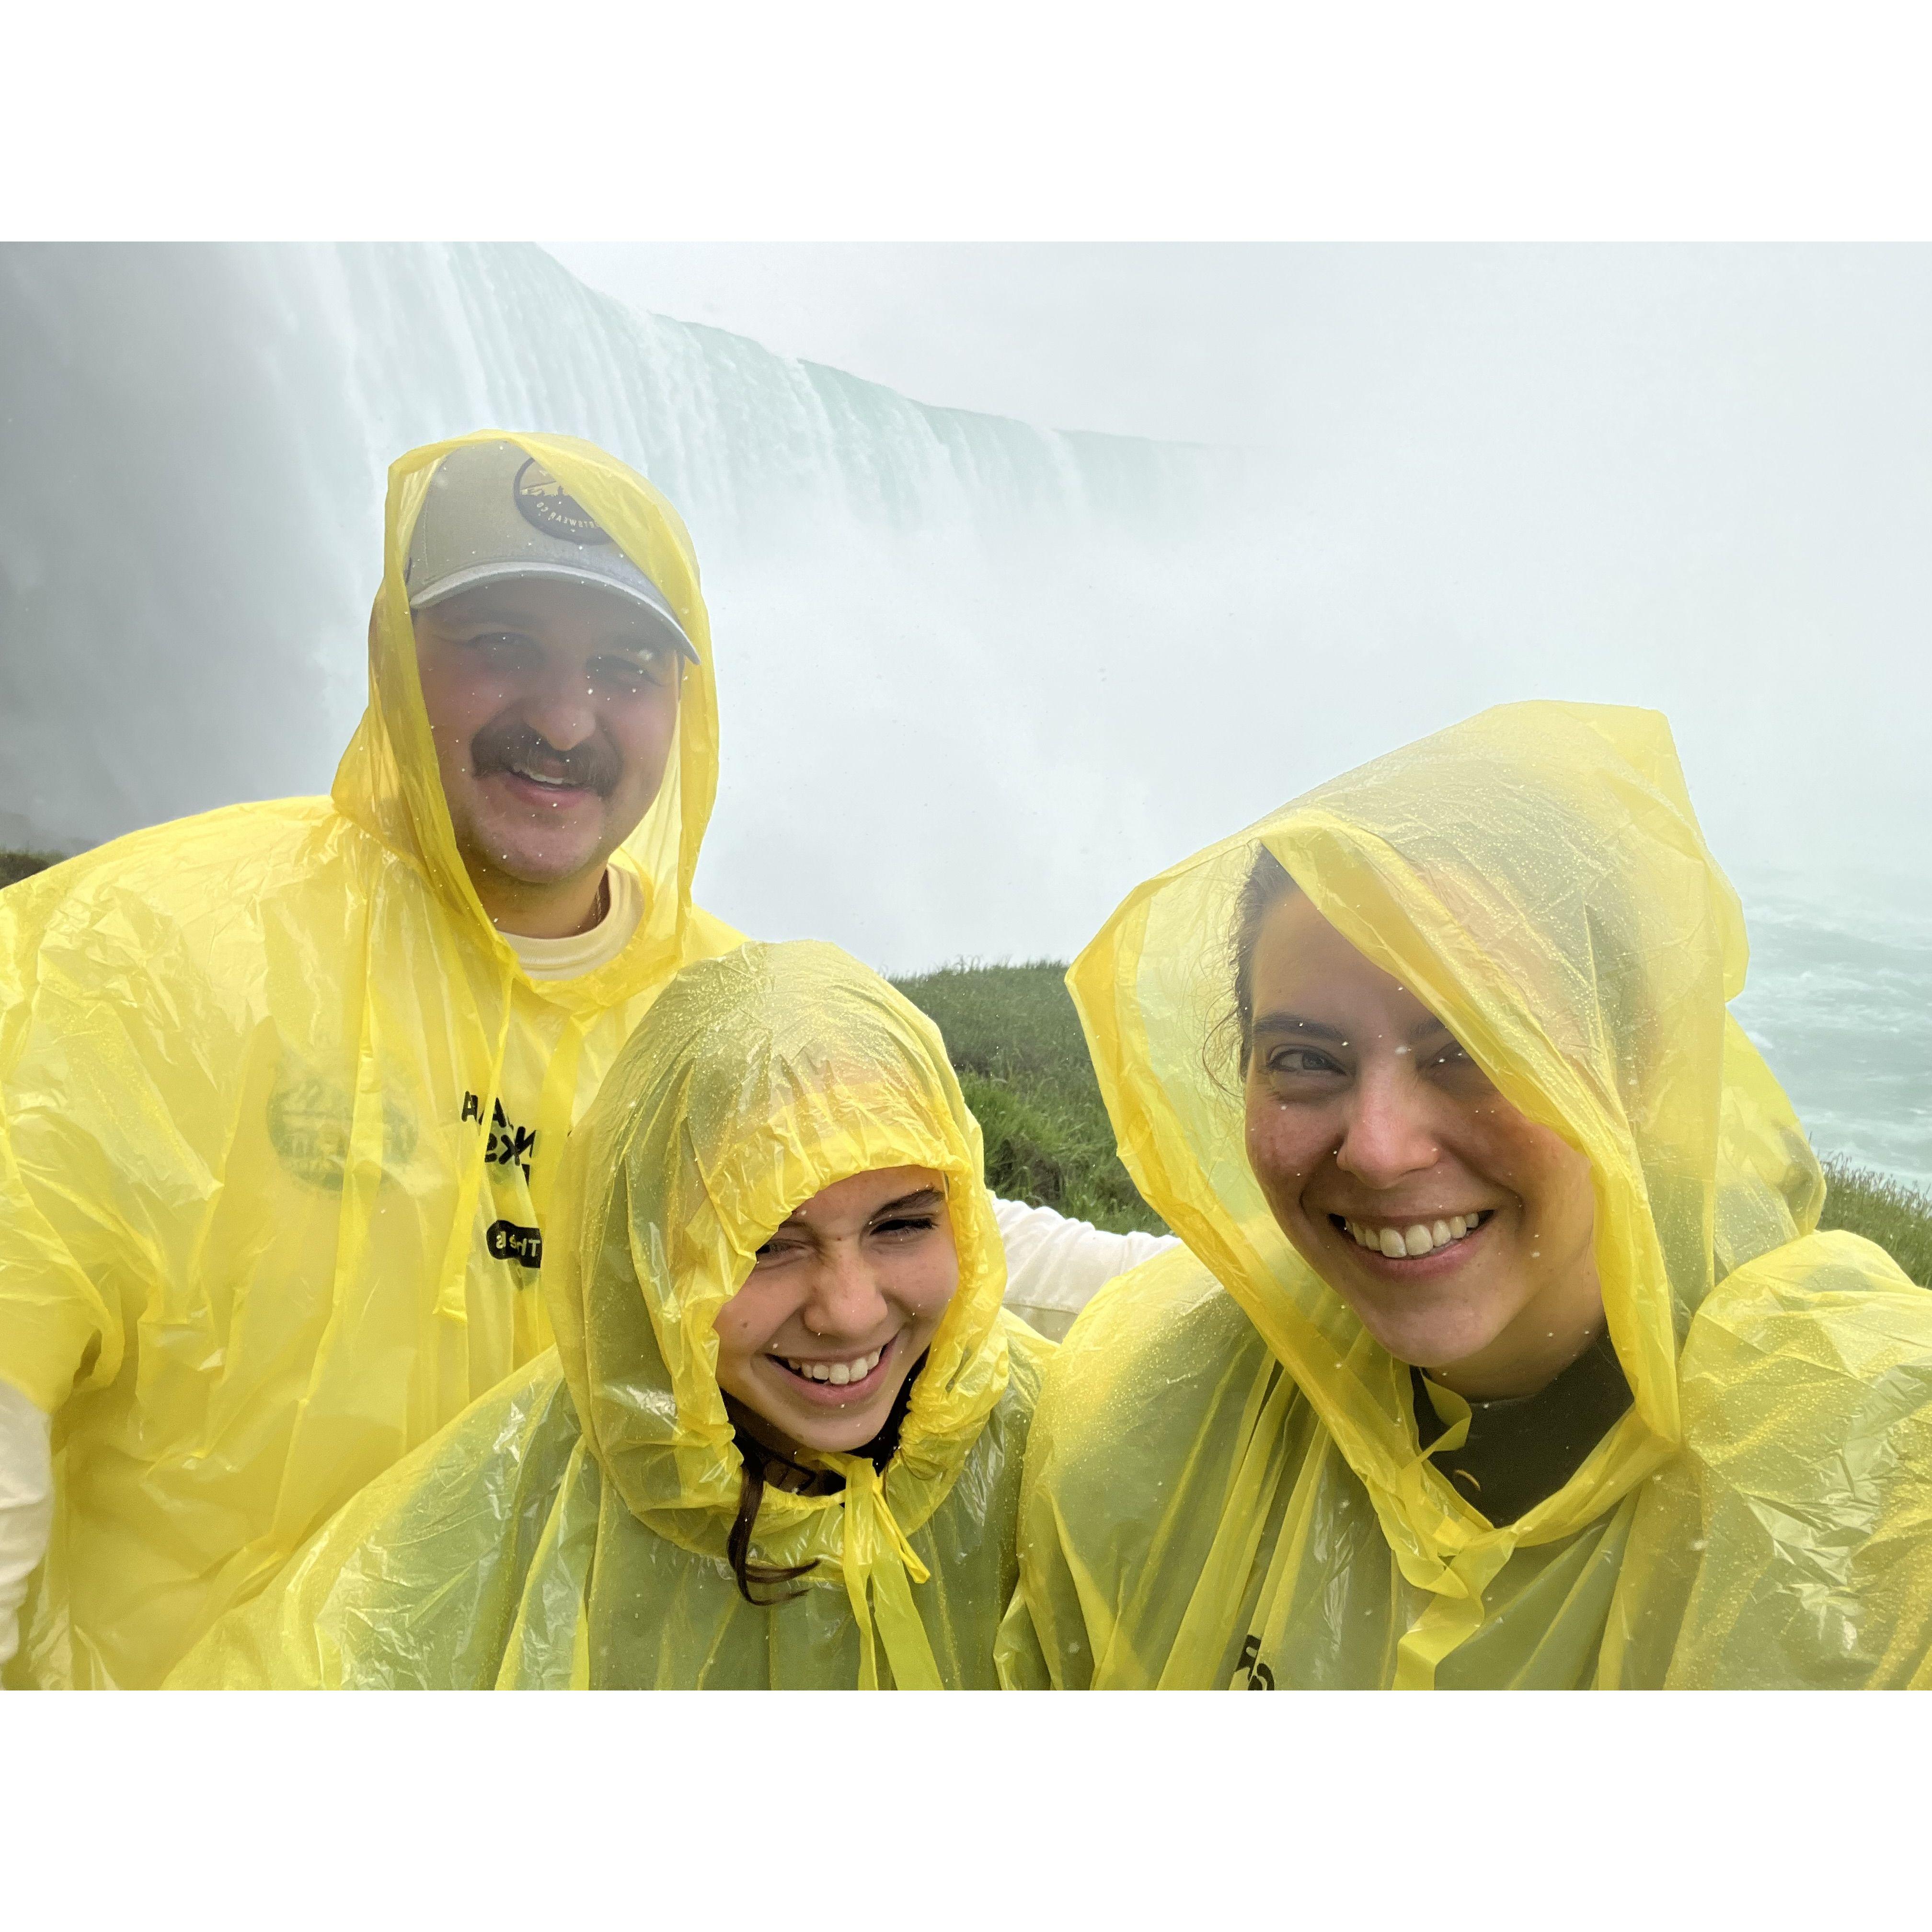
x=1839, y=1000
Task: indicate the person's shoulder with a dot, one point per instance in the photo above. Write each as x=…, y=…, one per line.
x=1816, y=1344
x=1836, y=1284
x=190, y=872
x=1028, y=1352
x=1166, y=1332
x=1132, y=1408
x=202, y=900
x=412, y=1582
x=1028, y=1355
x=1794, y=1534
x=1170, y=1302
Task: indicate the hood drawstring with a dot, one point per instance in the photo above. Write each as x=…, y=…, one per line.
x=877, y=1554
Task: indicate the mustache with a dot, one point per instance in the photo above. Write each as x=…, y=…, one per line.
x=505, y=743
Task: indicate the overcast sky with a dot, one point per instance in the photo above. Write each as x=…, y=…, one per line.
x=1293, y=345
x=1699, y=478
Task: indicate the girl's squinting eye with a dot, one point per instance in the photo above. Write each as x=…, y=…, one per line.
x=913, y=1224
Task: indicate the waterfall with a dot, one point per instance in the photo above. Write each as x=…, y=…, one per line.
x=975, y=678
x=196, y=440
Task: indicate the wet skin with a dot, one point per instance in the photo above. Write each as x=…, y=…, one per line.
x=866, y=1264
x=1361, y=1106
x=554, y=706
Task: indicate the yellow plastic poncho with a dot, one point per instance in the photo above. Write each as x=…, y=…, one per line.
x=570, y=1530
x=279, y=1114
x=1224, y=1484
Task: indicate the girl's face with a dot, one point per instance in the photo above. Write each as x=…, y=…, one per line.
x=1458, y=1231
x=840, y=1305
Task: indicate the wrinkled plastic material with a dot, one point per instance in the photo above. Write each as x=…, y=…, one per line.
x=527, y=1548
x=1225, y=1486
x=281, y=1116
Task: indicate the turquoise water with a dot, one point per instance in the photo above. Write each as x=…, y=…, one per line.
x=1840, y=1002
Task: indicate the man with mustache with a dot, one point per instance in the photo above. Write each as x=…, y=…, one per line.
x=283, y=1088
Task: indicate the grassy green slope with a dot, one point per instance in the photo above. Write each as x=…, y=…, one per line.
x=1015, y=1038
x=1897, y=1217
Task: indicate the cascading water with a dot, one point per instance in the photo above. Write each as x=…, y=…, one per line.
x=976, y=678
x=196, y=438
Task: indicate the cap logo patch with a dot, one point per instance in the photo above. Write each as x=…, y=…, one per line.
x=542, y=500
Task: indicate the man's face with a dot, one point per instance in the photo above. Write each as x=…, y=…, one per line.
x=554, y=706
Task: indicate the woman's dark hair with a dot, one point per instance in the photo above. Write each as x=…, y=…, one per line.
x=751, y=1576
x=752, y=1453
x=1267, y=883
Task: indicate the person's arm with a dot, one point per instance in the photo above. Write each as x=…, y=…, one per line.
x=56, y=1334
x=1055, y=1266
x=26, y=1505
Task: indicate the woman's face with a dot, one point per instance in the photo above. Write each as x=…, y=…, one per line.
x=840, y=1306
x=1376, y=1138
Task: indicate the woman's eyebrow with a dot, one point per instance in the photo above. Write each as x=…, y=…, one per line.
x=911, y=1204
x=1294, y=1023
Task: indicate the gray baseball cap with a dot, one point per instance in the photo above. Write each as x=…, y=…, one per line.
x=494, y=512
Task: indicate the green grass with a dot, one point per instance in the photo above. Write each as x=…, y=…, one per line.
x=1014, y=1036
x=1898, y=1218
x=1015, y=1040
x=15, y=866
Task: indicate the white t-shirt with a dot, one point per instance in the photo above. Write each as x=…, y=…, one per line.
x=585, y=951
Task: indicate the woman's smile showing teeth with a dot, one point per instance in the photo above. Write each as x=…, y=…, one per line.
x=840, y=1374
x=1403, y=1237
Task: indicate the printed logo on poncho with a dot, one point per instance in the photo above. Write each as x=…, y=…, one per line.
x=1251, y=1673
x=510, y=1145
x=543, y=501
x=509, y=1241
x=311, y=1119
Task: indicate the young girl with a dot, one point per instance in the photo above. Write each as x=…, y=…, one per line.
x=779, y=1442
x=1504, y=1354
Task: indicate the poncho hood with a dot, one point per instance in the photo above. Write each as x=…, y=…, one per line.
x=388, y=782
x=761, y=1078
x=1536, y=877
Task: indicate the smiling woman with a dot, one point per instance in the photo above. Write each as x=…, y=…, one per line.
x=1505, y=1330
x=816, y=1349
x=1458, y=1230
